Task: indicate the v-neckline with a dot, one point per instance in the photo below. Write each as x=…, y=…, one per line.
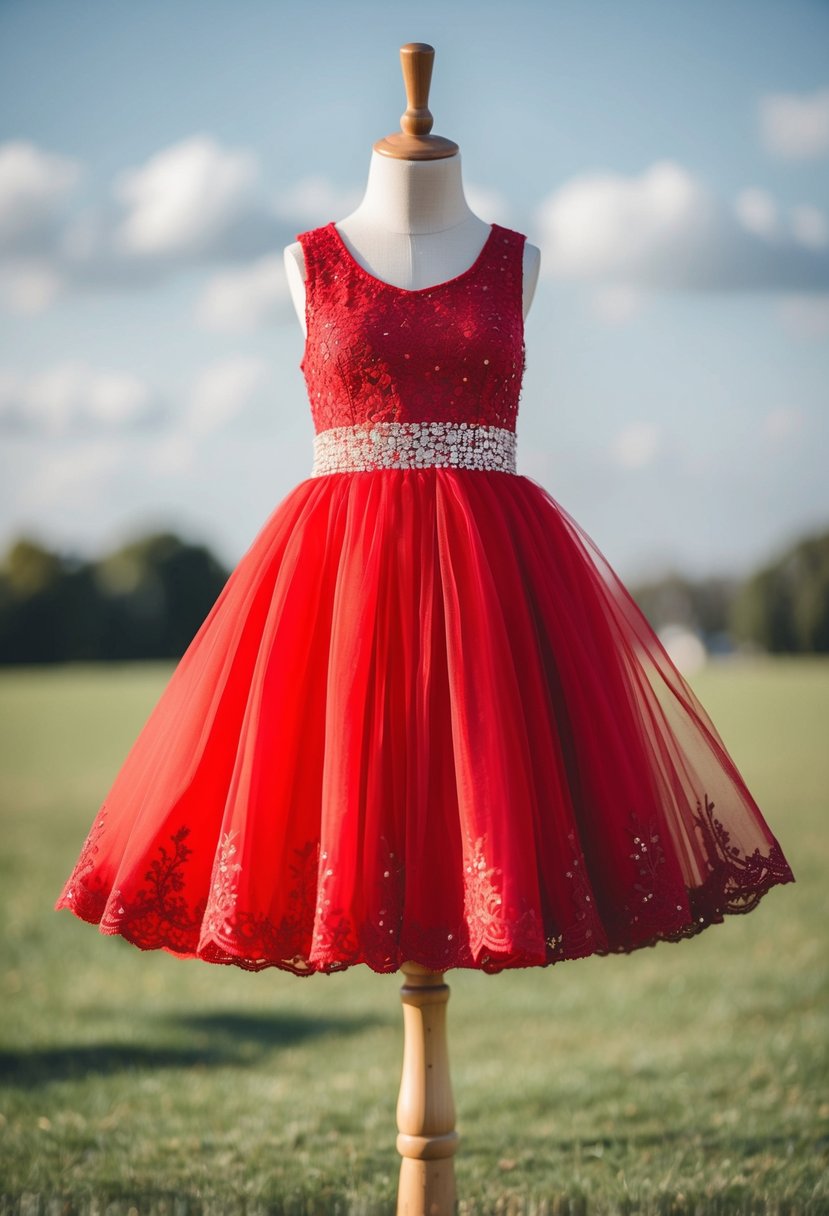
x=413, y=291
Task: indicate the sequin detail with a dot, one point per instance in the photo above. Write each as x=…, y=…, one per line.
x=379, y=353
x=425, y=719
x=313, y=933
x=407, y=445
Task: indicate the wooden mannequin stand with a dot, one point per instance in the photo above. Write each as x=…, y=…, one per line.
x=427, y=1138
x=425, y=209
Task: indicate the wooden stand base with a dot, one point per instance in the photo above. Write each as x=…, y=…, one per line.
x=425, y=1108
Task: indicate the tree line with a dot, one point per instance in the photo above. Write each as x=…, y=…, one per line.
x=146, y=599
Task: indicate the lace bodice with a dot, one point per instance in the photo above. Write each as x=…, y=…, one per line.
x=451, y=353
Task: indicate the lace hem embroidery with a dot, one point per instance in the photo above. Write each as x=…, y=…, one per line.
x=312, y=936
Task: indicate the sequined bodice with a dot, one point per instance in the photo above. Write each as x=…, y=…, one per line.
x=378, y=352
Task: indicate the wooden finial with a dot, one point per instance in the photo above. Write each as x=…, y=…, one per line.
x=415, y=141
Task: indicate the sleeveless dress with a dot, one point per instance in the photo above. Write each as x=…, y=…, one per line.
x=424, y=719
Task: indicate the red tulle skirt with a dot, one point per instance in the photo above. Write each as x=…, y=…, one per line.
x=424, y=720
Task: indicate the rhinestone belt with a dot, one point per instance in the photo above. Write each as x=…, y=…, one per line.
x=413, y=445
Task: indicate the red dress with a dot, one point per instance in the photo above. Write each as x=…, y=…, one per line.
x=424, y=719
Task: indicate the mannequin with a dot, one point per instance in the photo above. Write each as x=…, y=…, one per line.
x=414, y=229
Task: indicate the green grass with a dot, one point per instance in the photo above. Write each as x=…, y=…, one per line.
x=690, y=1077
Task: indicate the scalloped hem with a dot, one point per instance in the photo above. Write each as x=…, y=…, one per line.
x=704, y=914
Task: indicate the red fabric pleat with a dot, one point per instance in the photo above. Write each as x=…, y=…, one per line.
x=423, y=720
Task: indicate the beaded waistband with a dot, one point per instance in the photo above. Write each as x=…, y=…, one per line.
x=412, y=445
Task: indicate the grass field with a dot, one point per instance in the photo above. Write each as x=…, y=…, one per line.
x=686, y=1078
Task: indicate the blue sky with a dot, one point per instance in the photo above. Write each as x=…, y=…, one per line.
x=671, y=161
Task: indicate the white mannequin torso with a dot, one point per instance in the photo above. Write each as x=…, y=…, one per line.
x=412, y=229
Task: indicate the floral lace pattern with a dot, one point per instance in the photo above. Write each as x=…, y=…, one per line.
x=222, y=903
x=315, y=936
x=84, y=886
x=493, y=925
x=741, y=877
x=161, y=909
x=584, y=934
x=333, y=718
x=450, y=353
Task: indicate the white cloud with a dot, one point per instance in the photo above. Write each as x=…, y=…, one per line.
x=83, y=474
x=240, y=300
x=636, y=445
x=221, y=391
x=217, y=395
x=665, y=230
x=33, y=186
x=756, y=211
x=796, y=125
x=29, y=287
x=806, y=316
x=193, y=202
x=172, y=455
x=315, y=200
x=782, y=422
x=198, y=202
x=604, y=223
x=810, y=226
x=73, y=397
x=184, y=197
x=616, y=305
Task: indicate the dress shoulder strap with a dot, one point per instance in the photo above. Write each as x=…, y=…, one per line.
x=505, y=268
x=316, y=253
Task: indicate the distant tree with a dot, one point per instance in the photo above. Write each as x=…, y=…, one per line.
x=148, y=598
x=145, y=600
x=702, y=606
x=784, y=606
x=31, y=586
x=156, y=593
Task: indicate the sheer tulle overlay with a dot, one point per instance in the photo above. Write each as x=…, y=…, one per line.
x=423, y=720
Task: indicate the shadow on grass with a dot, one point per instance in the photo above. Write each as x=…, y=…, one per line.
x=273, y=1029
x=224, y=1038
